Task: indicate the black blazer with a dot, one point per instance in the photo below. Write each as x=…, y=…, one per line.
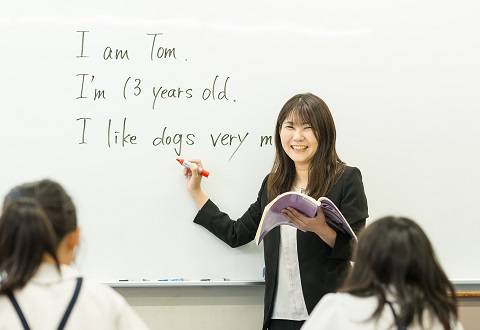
x=322, y=269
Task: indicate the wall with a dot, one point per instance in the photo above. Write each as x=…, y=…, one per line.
x=217, y=308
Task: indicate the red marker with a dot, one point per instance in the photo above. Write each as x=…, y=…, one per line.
x=189, y=165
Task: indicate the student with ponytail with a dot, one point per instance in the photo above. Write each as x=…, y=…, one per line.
x=39, y=288
x=26, y=239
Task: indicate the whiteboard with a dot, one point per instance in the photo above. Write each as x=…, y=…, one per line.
x=401, y=79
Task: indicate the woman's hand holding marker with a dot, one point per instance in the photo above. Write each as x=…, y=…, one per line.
x=193, y=171
x=193, y=164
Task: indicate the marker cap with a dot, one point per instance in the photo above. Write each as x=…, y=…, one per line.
x=203, y=172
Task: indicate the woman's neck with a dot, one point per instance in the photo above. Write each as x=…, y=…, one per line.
x=48, y=259
x=301, y=177
x=64, y=255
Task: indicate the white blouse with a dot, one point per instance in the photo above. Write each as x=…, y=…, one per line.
x=343, y=311
x=45, y=298
x=289, y=303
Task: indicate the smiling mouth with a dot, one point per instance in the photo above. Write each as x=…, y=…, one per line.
x=299, y=147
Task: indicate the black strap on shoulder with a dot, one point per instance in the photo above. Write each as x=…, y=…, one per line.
x=64, y=320
x=18, y=310
x=70, y=306
x=398, y=323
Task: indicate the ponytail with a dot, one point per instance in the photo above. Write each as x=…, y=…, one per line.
x=26, y=236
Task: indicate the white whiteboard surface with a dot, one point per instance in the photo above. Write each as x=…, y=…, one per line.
x=401, y=78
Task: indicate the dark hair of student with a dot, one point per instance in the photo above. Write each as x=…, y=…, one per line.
x=54, y=200
x=26, y=236
x=394, y=253
x=325, y=166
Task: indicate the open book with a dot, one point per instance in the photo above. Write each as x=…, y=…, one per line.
x=272, y=217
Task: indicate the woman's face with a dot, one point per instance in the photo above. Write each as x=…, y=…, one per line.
x=298, y=141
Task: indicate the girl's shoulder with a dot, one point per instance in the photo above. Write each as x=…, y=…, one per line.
x=343, y=300
x=339, y=311
x=103, y=292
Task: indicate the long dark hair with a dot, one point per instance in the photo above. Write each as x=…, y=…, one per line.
x=325, y=166
x=26, y=236
x=54, y=200
x=394, y=254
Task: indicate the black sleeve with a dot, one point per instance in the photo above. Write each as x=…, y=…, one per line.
x=234, y=233
x=353, y=205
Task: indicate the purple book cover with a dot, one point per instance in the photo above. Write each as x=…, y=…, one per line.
x=298, y=202
x=308, y=206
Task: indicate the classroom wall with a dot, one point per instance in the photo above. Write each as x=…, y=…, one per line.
x=469, y=313
x=212, y=308
x=225, y=308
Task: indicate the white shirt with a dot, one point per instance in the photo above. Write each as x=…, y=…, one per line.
x=45, y=298
x=343, y=311
x=289, y=303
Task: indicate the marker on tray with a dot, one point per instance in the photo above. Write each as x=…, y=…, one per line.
x=185, y=163
x=175, y=279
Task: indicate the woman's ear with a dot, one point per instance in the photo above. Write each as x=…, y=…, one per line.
x=73, y=238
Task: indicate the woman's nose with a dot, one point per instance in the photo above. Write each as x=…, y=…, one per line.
x=298, y=134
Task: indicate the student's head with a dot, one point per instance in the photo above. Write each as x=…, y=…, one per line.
x=394, y=255
x=26, y=239
x=54, y=200
x=59, y=208
x=304, y=139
